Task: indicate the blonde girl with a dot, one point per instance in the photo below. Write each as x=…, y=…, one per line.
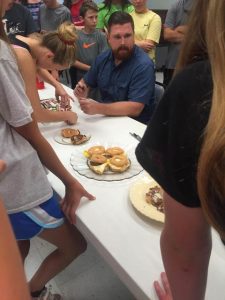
x=39, y=53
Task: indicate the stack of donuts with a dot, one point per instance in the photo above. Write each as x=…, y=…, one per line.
x=112, y=159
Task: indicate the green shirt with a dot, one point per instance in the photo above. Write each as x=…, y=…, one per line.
x=104, y=13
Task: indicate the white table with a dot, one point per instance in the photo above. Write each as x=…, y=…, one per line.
x=128, y=242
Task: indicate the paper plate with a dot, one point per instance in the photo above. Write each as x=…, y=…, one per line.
x=137, y=196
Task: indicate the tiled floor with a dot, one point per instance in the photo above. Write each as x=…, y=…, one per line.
x=89, y=277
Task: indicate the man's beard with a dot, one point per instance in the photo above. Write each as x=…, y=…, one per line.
x=122, y=53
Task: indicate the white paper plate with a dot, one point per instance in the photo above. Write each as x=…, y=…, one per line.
x=137, y=194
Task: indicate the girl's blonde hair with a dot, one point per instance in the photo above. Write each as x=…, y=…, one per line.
x=62, y=43
x=211, y=167
x=206, y=38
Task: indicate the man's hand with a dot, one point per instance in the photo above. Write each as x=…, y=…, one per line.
x=163, y=293
x=89, y=106
x=81, y=90
x=72, y=198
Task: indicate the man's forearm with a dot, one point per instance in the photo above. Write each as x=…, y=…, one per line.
x=122, y=108
x=171, y=35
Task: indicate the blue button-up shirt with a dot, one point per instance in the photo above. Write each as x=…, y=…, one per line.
x=131, y=80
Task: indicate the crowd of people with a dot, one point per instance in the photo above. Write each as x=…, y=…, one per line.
x=110, y=52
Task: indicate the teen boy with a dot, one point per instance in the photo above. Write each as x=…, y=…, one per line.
x=91, y=42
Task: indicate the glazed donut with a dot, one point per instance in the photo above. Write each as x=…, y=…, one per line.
x=69, y=132
x=98, y=159
x=96, y=150
x=114, y=151
x=119, y=160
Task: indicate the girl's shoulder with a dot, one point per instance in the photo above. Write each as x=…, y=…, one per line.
x=6, y=52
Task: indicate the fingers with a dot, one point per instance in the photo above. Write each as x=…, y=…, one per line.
x=89, y=196
x=69, y=211
x=2, y=166
x=163, y=292
x=165, y=283
x=160, y=293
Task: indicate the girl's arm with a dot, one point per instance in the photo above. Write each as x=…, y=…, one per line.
x=28, y=71
x=74, y=190
x=186, y=247
x=13, y=280
x=59, y=90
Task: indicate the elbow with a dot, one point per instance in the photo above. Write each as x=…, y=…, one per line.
x=135, y=112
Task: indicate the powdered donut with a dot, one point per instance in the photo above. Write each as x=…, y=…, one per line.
x=118, y=160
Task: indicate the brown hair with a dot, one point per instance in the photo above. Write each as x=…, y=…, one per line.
x=88, y=4
x=121, y=18
x=62, y=43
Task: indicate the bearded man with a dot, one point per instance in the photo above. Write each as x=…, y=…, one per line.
x=124, y=75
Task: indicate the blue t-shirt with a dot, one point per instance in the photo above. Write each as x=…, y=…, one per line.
x=131, y=80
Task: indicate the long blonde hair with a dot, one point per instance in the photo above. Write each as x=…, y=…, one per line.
x=211, y=166
x=205, y=37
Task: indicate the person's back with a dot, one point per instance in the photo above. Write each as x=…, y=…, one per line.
x=53, y=14
x=17, y=152
x=34, y=8
x=18, y=20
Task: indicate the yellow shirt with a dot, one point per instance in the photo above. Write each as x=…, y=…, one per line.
x=147, y=26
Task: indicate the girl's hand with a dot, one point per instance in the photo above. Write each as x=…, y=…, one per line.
x=64, y=96
x=164, y=292
x=71, y=117
x=71, y=201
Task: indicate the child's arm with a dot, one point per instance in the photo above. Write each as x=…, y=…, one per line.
x=59, y=90
x=74, y=190
x=81, y=66
x=28, y=71
x=13, y=281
